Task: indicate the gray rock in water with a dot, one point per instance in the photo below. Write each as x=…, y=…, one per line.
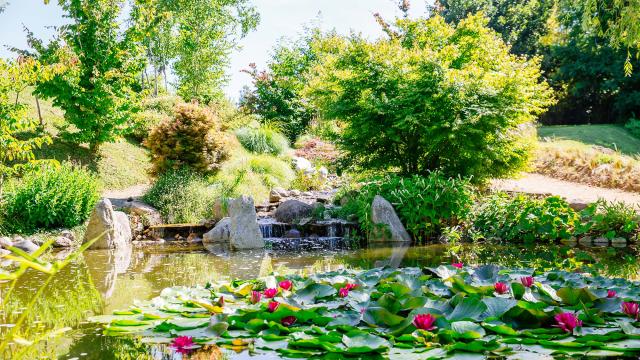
x=292, y=234
x=293, y=210
x=63, y=242
x=219, y=233
x=388, y=227
x=5, y=242
x=149, y=215
x=26, y=245
x=111, y=226
x=244, y=229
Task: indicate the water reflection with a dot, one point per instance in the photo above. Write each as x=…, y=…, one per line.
x=102, y=281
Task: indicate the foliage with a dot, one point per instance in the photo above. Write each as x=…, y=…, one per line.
x=609, y=219
x=308, y=182
x=145, y=121
x=521, y=23
x=277, y=96
x=50, y=197
x=16, y=146
x=161, y=104
x=194, y=139
x=262, y=140
x=182, y=196
x=436, y=97
x=633, y=126
x=524, y=218
x=424, y=204
x=435, y=312
x=316, y=150
x=100, y=92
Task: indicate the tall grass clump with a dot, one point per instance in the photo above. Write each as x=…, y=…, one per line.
x=48, y=198
x=182, y=196
x=262, y=140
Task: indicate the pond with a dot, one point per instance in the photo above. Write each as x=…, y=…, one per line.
x=101, y=282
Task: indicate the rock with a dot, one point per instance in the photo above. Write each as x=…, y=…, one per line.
x=388, y=227
x=307, y=194
x=26, y=246
x=276, y=195
x=219, y=210
x=569, y=242
x=68, y=234
x=601, y=241
x=324, y=173
x=5, y=242
x=578, y=204
x=585, y=241
x=295, y=193
x=293, y=210
x=244, y=229
x=149, y=215
x=302, y=164
x=63, y=242
x=4, y=252
x=111, y=226
x=219, y=233
x=619, y=242
x=292, y=234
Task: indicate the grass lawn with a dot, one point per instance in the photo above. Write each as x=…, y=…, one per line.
x=610, y=136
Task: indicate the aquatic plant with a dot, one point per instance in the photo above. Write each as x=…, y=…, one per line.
x=527, y=281
x=424, y=322
x=567, y=321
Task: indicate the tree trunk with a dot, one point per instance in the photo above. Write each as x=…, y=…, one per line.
x=155, y=80
x=17, y=96
x=39, y=112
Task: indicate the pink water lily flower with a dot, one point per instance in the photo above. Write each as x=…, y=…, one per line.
x=457, y=265
x=567, y=321
x=527, y=281
x=270, y=293
x=182, y=344
x=221, y=301
x=286, y=285
x=350, y=286
x=424, y=322
x=611, y=293
x=343, y=292
x=501, y=288
x=272, y=306
x=256, y=296
x=288, y=320
x=631, y=308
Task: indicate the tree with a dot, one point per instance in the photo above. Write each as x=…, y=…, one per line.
x=207, y=31
x=437, y=97
x=521, y=23
x=18, y=139
x=100, y=93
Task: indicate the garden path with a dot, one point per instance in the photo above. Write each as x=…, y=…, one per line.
x=135, y=191
x=575, y=192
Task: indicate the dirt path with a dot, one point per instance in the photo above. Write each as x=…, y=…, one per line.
x=541, y=184
x=135, y=191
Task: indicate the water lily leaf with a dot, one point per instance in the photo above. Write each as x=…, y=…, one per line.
x=500, y=328
x=381, y=316
x=468, y=308
x=468, y=330
x=496, y=306
x=548, y=291
x=573, y=296
x=364, y=343
x=476, y=346
x=314, y=291
x=486, y=274
x=609, y=305
x=443, y=272
x=181, y=324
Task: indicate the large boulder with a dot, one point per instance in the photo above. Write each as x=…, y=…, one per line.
x=27, y=246
x=244, y=231
x=387, y=225
x=302, y=164
x=220, y=233
x=291, y=211
x=112, y=227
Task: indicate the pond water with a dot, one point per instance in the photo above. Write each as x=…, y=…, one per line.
x=100, y=282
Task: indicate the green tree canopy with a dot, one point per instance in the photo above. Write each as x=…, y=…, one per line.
x=434, y=97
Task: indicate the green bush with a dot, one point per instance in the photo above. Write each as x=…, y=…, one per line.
x=633, y=125
x=608, y=219
x=308, y=182
x=161, y=104
x=194, y=139
x=524, y=218
x=433, y=97
x=182, y=196
x=144, y=122
x=424, y=204
x=262, y=140
x=48, y=198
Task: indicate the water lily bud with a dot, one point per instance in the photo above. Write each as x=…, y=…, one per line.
x=501, y=288
x=273, y=305
x=527, y=281
x=286, y=285
x=270, y=293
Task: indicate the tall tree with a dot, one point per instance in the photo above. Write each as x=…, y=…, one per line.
x=99, y=93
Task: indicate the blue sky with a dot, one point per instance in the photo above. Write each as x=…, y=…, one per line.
x=279, y=18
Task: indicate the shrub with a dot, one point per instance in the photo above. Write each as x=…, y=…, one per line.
x=608, y=219
x=434, y=97
x=50, y=197
x=524, y=218
x=161, y=104
x=633, y=125
x=316, y=150
x=193, y=139
x=424, y=204
x=144, y=122
x=262, y=140
x=182, y=196
x=308, y=182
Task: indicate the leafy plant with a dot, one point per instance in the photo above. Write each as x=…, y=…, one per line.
x=144, y=122
x=182, y=196
x=194, y=139
x=308, y=182
x=633, y=125
x=262, y=140
x=50, y=197
x=524, y=218
x=609, y=219
x=424, y=204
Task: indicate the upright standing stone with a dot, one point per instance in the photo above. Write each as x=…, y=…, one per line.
x=113, y=225
x=244, y=229
x=387, y=225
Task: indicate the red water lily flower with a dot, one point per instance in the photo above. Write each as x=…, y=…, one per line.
x=288, y=320
x=567, y=321
x=221, y=301
x=457, y=265
x=343, y=292
x=611, y=293
x=182, y=344
x=631, y=308
x=527, y=281
x=286, y=284
x=501, y=288
x=256, y=296
x=424, y=321
x=350, y=286
x=270, y=293
x=273, y=305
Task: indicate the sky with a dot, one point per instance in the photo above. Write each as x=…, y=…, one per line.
x=279, y=18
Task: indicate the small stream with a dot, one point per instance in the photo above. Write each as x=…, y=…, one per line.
x=102, y=281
